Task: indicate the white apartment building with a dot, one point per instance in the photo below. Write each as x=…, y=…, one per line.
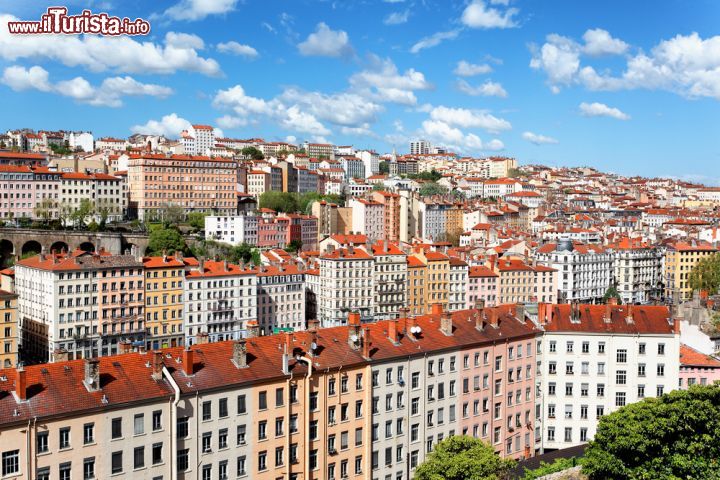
x=219, y=301
x=584, y=271
x=457, y=285
x=233, y=230
x=368, y=217
x=432, y=220
x=198, y=139
x=594, y=359
x=106, y=193
x=353, y=167
x=420, y=147
x=83, y=140
x=346, y=284
x=638, y=270
x=281, y=298
x=370, y=160
x=390, y=280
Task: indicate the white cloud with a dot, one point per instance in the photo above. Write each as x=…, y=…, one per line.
x=453, y=138
x=230, y=122
x=236, y=48
x=345, y=109
x=199, y=9
x=465, y=118
x=538, y=139
x=383, y=82
x=597, y=109
x=600, y=42
x=487, y=89
x=108, y=94
x=397, y=18
x=169, y=126
x=303, y=122
x=235, y=99
x=433, y=40
x=98, y=53
x=685, y=64
x=495, y=145
x=478, y=15
x=19, y=78
x=325, y=42
x=291, y=139
x=467, y=69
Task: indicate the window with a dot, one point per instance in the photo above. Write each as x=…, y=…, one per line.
x=157, y=455
x=601, y=347
x=42, y=442
x=599, y=411
x=661, y=349
x=207, y=472
x=65, y=471
x=279, y=455
x=641, y=370
x=552, y=368
x=585, y=347
x=139, y=457
x=182, y=427
x=641, y=349
x=552, y=346
x=569, y=346
x=116, y=462
x=583, y=434
x=621, y=377
x=620, y=399
x=223, y=407
x=262, y=400
x=660, y=390
x=183, y=460
x=11, y=462
x=641, y=391
x=262, y=430
x=241, y=434
x=65, y=437
x=241, y=406
x=139, y=424
x=569, y=368
x=601, y=368
x=331, y=386
x=88, y=468
x=600, y=389
x=207, y=410
x=279, y=397
x=661, y=370
x=240, y=466
x=157, y=420
x=313, y=401
x=222, y=438
x=622, y=356
x=415, y=380
x=568, y=434
x=262, y=460
x=206, y=442
x=551, y=434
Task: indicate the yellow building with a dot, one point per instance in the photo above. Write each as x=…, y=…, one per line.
x=454, y=220
x=437, y=274
x=416, y=285
x=680, y=258
x=8, y=329
x=164, y=276
x=516, y=281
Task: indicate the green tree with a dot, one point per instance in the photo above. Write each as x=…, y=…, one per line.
x=44, y=209
x=60, y=149
x=80, y=214
x=612, y=292
x=279, y=201
x=378, y=187
x=165, y=240
x=197, y=220
x=705, y=275
x=172, y=215
x=432, y=176
x=294, y=246
x=672, y=437
x=432, y=188
x=514, y=173
x=253, y=153
x=461, y=457
x=384, y=167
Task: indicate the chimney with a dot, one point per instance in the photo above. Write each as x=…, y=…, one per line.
x=413, y=329
x=446, y=323
x=157, y=365
x=201, y=264
x=354, y=330
x=608, y=313
x=124, y=347
x=480, y=323
x=575, y=311
x=60, y=355
x=188, y=362
x=676, y=326
x=313, y=324
x=494, y=320
x=179, y=255
x=520, y=312
x=479, y=303
x=393, y=333
x=225, y=265
x=21, y=384
x=253, y=329
x=629, y=317
x=202, y=338
x=436, y=309
x=366, y=343
x=240, y=353
x=612, y=301
x=542, y=313
x=92, y=374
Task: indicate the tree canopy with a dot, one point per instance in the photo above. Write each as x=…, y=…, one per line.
x=279, y=201
x=705, y=275
x=461, y=457
x=197, y=220
x=165, y=240
x=253, y=153
x=672, y=437
x=432, y=188
x=612, y=292
x=432, y=176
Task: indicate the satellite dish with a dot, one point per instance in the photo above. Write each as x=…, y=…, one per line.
x=91, y=380
x=354, y=338
x=313, y=345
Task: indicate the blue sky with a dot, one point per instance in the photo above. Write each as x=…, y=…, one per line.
x=630, y=87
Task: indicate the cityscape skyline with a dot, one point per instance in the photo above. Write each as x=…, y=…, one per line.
x=563, y=85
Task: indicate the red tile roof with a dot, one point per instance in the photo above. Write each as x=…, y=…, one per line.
x=646, y=319
x=692, y=358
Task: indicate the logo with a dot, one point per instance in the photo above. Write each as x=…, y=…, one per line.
x=57, y=21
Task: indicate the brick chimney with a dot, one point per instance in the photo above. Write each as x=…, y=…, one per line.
x=92, y=374
x=393, y=333
x=412, y=328
x=446, y=323
x=542, y=313
x=520, y=312
x=629, y=317
x=60, y=355
x=240, y=353
x=480, y=322
x=21, y=384
x=253, y=329
x=188, y=362
x=157, y=365
x=202, y=338
x=479, y=303
x=436, y=309
x=612, y=301
x=354, y=330
x=125, y=347
x=494, y=320
x=366, y=343
x=676, y=326
x=608, y=313
x=313, y=324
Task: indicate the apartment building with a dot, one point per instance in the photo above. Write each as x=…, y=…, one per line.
x=638, y=271
x=164, y=284
x=696, y=368
x=482, y=286
x=198, y=139
x=219, y=301
x=437, y=278
x=680, y=258
x=23, y=189
x=391, y=211
x=457, y=284
x=368, y=216
x=390, y=279
x=234, y=229
x=106, y=193
x=9, y=331
x=195, y=183
x=520, y=282
x=347, y=402
x=66, y=307
x=346, y=284
x=594, y=359
x=585, y=271
x=416, y=285
x=320, y=150
x=280, y=297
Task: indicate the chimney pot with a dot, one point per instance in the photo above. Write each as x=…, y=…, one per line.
x=253, y=329
x=92, y=374
x=240, y=353
x=188, y=361
x=21, y=383
x=366, y=344
x=393, y=333
x=157, y=364
x=436, y=309
x=446, y=323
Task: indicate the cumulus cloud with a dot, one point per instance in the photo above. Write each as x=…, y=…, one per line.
x=597, y=109
x=538, y=139
x=479, y=15
x=168, y=126
x=120, y=54
x=397, y=18
x=346, y=109
x=685, y=64
x=239, y=49
x=108, y=94
x=455, y=139
x=600, y=42
x=199, y=9
x=433, y=40
x=467, y=69
x=325, y=42
x=487, y=89
x=230, y=122
x=465, y=118
x=382, y=81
